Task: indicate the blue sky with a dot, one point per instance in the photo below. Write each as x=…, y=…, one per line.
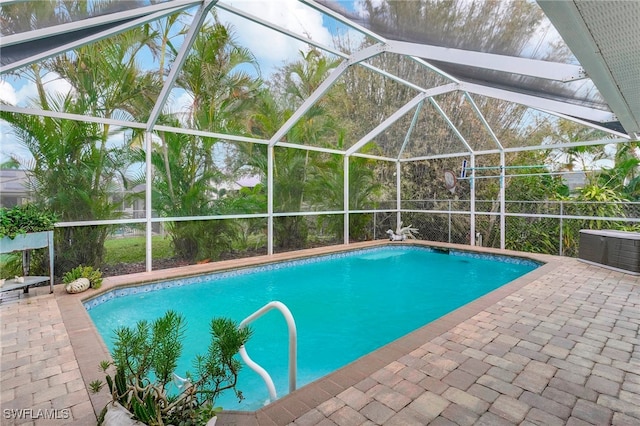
x=271, y=49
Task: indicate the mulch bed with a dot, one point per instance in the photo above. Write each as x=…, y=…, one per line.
x=158, y=264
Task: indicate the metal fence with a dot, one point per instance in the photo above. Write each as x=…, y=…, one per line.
x=550, y=227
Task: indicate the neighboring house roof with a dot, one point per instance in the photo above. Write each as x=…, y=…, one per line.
x=14, y=182
x=243, y=182
x=248, y=181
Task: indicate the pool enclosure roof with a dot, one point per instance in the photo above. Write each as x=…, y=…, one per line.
x=598, y=85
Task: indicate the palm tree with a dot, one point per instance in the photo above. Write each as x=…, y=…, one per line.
x=63, y=176
x=624, y=176
x=75, y=168
x=186, y=171
x=582, y=156
x=328, y=192
x=294, y=169
x=223, y=91
x=182, y=187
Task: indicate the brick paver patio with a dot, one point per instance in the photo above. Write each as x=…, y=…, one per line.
x=39, y=374
x=558, y=346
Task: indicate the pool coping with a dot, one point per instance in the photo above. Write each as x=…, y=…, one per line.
x=90, y=349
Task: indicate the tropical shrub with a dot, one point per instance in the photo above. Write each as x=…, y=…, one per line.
x=25, y=218
x=19, y=220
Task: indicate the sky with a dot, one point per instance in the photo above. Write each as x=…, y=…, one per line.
x=271, y=49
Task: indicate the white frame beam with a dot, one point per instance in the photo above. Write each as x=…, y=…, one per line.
x=570, y=24
x=169, y=8
x=539, y=103
x=400, y=112
x=509, y=64
x=321, y=46
x=338, y=17
x=472, y=207
x=503, y=207
x=196, y=24
x=346, y=195
x=588, y=124
x=452, y=126
x=324, y=86
x=484, y=121
x=148, y=210
x=257, y=20
x=434, y=69
x=69, y=116
x=407, y=137
x=270, y=171
x=87, y=40
x=398, y=195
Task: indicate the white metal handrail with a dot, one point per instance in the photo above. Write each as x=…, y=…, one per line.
x=293, y=347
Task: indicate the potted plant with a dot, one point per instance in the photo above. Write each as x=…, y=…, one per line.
x=23, y=228
x=81, y=278
x=25, y=218
x=141, y=376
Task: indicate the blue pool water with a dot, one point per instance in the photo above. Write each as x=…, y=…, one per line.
x=344, y=305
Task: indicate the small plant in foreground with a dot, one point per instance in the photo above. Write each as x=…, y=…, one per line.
x=93, y=275
x=96, y=385
x=145, y=358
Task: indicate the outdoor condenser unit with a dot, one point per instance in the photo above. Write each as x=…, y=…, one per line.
x=614, y=249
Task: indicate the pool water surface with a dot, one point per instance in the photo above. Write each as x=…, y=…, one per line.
x=345, y=306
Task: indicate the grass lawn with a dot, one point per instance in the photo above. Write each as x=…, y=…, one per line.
x=131, y=249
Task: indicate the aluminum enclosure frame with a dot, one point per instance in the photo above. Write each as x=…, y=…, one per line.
x=422, y=54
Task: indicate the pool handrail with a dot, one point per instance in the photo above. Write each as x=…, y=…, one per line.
x=293, y=347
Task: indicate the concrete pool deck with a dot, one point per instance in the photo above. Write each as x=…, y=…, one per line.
x=557, y=346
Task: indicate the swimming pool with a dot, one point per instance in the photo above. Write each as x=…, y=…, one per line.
x=345, y=306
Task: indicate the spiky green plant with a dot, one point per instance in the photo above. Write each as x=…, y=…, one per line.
x=93, y=275
x=145, y=357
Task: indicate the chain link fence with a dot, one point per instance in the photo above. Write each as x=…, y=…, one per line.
x=550, y=227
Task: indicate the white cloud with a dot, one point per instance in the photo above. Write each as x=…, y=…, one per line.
x=53, y=83
x=362, y=11
x=7, y=93
x=181, y=101
x=20, y=92
x=270, y=47
x=10, y=147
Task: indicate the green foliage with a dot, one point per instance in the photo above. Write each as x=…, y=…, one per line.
x=75, y=170
x=327, y=192
x=96, y=385
x=11, y=264
x=624, y=177
x=182, y=187
x=25, y=218
x=533, y=235
x=93, y=275
x=145, y=357
x=600, y=202
x=201, y=240
x=132, y=249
